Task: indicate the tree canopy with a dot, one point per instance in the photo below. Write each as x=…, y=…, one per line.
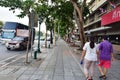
x=58, y=13
x=1, y=24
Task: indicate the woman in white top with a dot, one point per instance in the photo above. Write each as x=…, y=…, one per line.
x=89, y=54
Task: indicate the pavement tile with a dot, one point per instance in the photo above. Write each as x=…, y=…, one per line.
x=36, y=77
x=20, y=71
x=6, y=77
x=6, y=71
x=69, y=77
x=58, y=77
x=81, y=77
x=47, y=77
x=70, y=73
x=24, y=77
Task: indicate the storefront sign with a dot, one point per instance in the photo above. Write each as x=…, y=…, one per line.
x=111, y=17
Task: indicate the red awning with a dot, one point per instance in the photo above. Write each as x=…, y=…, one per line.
x=111, y=17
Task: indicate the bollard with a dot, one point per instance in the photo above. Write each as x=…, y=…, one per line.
x=49, y=46
x=35, y=54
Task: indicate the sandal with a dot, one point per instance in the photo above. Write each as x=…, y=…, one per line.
x=103, y=76
x=88, y=78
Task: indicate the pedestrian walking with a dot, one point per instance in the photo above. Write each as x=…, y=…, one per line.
x=105, y=57
x=89, y=53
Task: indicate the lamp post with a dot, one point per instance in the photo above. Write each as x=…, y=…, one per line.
x=40, y=20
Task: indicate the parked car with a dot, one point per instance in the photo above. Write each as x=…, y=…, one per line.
x=42, y=41
x=17, y=43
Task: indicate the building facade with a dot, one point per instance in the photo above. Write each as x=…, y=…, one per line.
x=104, y=19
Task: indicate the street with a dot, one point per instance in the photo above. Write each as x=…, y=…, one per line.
x=7, y=56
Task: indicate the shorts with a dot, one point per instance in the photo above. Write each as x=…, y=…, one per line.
x=105, y=63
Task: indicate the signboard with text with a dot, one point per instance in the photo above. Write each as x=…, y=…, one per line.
x=22, y=33
x=111, y=17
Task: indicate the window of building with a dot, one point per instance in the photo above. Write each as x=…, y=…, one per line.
x=114, y=39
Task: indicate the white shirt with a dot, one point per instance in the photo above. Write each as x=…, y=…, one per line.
x=90, y=52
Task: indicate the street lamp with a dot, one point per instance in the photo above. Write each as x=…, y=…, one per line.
x=40, y=21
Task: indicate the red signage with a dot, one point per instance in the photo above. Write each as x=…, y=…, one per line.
x=111, y=17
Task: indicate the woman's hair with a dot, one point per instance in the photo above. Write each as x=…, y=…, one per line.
x=92, y=42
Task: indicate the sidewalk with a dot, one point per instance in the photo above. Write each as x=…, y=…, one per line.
x=56, y=63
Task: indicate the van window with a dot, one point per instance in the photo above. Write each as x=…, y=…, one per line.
x=8, y=35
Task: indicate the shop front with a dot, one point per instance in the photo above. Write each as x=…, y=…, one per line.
x=112, y=19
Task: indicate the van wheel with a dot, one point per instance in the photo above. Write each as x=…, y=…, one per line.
x=22, y=47
x=30, y=46
x=8, y=48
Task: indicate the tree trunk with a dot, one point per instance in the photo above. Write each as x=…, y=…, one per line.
x=54, y=36
x=27, y=51
x=78, y=23
x=46, y=38
x=82, y=35
x=51, y=37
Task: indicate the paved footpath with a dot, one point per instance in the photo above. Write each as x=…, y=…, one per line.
x=56, y=63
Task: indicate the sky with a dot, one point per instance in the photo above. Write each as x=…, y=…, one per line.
x=6, y=15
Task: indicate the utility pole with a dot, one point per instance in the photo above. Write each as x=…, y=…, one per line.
x=40, y=21
x=58, y=31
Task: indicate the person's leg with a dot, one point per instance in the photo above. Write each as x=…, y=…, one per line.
x=92, y=67
x=105, y=72
x=86, y=68
x=106, y=66
x=100, y=69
